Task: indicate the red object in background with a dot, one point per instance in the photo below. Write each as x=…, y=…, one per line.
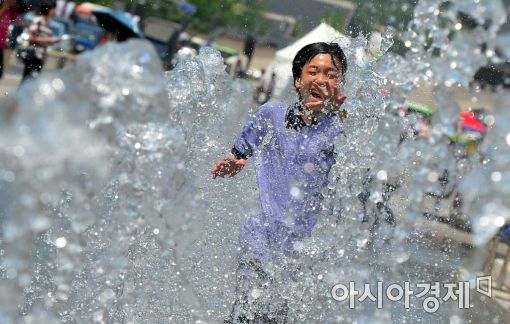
x=87, y=7
x=385, y=92
x=84, y=9
x=468, y=120
x=103, y=40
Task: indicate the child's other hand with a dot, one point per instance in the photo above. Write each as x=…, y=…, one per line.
x=227, y=166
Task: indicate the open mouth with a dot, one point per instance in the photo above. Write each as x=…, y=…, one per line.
x=315, y=94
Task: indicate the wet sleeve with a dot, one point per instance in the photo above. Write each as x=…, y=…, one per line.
x=34, y=27
x=251, y=135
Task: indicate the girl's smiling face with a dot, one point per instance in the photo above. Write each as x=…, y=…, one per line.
x=319, y=82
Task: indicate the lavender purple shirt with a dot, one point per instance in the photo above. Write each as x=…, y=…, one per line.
x=292, y=166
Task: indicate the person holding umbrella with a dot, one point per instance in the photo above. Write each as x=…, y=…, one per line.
x=40, y=36
x=119, y=25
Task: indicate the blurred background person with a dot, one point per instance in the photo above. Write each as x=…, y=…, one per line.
x=174, y=43
x=9, y=13
x=270, y=87
x=22, y=7
x=264, y=90
x=260, y=87
x=40, y=37
x=249, y=48
x=65, y=9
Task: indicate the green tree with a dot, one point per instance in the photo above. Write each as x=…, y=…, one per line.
x=335, y=19
x=370, y=15
x=377, y=14
x=210, y=15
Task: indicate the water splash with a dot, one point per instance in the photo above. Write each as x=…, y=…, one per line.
x=108, y=214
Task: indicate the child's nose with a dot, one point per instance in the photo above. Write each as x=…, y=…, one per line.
x=320, y=79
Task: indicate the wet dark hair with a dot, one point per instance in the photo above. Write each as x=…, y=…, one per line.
x=307, y=53
x=23, y=6
x=46, y=6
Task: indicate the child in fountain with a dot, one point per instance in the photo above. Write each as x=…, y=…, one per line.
x=293, y=151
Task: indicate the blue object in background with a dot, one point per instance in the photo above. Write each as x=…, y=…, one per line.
x=505, y=231
x=186, y=7
x=118, y=22
x=16, y=31
x=86, y=36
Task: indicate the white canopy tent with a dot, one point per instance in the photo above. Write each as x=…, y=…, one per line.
x=282, y=62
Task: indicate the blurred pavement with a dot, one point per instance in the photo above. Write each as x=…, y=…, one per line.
x=10, y=80
x=12, y=76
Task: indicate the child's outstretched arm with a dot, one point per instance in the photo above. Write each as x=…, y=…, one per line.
x=228, y=166
x=254, y=130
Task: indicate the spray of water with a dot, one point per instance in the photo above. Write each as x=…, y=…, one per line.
x=108, y=214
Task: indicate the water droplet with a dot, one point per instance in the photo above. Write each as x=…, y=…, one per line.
x=496, y=176
x=45, y=89
x=484, y=221
x=295, y=192
x=9, y=176
x=489, y=120
x=19, y=150
x=432, y=176
x=61, y=242
x=308, y=167
x=98, y=316
x=256, y=293
x=57, y=84
x=499, y=221
x=382, y=175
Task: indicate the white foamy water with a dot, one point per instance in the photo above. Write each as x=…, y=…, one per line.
x=108, y=212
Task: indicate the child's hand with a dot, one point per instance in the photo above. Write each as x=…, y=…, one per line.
x=228, y=166
x=331, y=98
